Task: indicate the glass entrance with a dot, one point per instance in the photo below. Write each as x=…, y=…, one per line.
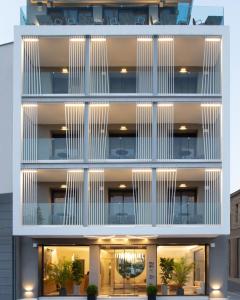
x=123, y=271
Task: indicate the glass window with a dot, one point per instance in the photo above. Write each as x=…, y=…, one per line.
x=65, y=270
x=174, y=258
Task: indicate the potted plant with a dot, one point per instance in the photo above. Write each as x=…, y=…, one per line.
x=60, y=273
x=181, y=272
x=151, y=292
x=167, y=267
x=92, y=291
x=77, y=275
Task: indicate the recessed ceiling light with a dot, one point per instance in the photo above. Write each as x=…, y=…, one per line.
x=65, y=70
x=183, y=71
x=123, y=128
x=182, y=185
x=122, y=186
x=123, y=71
x=63, y=186
x=183, y=127
x=64, y=128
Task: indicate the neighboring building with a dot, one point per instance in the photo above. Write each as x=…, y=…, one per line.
x=234, y=243
x=120, y=146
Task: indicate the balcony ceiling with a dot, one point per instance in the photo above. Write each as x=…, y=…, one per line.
x=118, y=175
x=120, y=113
x=54, y=52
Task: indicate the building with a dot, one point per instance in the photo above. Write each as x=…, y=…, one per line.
x=120, y=147
x=234, y=243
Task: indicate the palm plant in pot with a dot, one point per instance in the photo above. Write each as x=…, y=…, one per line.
x=60, y=273
x=167, y=267
x=92, y=291
x=181, y=272
x=151, y=292
x=77, y=275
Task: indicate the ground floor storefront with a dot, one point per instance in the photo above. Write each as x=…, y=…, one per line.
x=122, y=267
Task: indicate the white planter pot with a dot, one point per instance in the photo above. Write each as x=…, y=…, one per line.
x=76, y=289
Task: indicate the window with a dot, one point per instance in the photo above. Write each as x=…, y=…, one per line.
x=55, y=259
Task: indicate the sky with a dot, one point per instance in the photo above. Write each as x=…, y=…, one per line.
x=9, y=16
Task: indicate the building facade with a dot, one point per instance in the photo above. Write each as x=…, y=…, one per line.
x=120, y=148
x=234, y=243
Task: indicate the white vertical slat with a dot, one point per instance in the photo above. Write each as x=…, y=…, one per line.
x=98, y=130
x=31, y=66
x=99, y=78
x=166, y=190
x=211, y=79
x=165, y=65
x=142, y=192
x=165, y=127
x=143, y=131
x=74, y=120
x=96, y=206
x=144, y=65
x=73, y=204
x=29, y=132
x=29, y=197
x=211, y=126
x=76, y=80
x=212, y=204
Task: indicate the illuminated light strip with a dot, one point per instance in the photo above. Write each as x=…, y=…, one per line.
x=99, y=105
x=75, y=171
x=165, y=104
x=166, y=170
x=100, y=39
x=165, y=39
x=211, y=105
x=96, y=171
x=74, y=104
x=144, y=104
x=30, y=39
x=29, y=171
x=213, y=170
x=144, y=39
x=141, y=170
x=212, y=39
x=30, y=105
x=77, y=39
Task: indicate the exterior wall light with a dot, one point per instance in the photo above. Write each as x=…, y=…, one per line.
x=124, y=71
x=123, y=128
x=183, y=127
x=64, y=70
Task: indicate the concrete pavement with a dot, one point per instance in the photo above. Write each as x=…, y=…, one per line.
x=234, y=296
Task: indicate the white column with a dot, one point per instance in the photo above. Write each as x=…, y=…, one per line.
x=142, y=194
x=29, y=196
x=165, y=65
x=74, y=119
x=76, y=79
x=73, y=205
x=213, y=196
x=166, y=189
x=144, y=64
x=165, y=127
x=31, y=66
x=29, y=132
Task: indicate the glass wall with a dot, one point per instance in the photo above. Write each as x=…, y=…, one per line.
x=65, y=270
x=187, y=270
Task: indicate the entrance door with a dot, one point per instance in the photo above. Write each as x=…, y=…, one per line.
x=185, y=206
x=123, y=271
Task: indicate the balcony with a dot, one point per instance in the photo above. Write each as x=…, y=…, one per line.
x=121, y=197
x=122, y=65
x=176, y=13
x=183, y=132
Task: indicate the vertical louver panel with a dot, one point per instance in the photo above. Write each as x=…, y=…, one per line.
x=29, y=132
x=76, y=81
x=212, y=196
x=144, y=65
x=211, y=79
x=165, y=65
x=31, y=66
x=166, y=190
x=96, y=197
x=98, y=130
x=99, y=79
x=144, y=131
x=142, y=193
x=29, y=197
x=74, y=118
x=165, y=126
x=73, y=204
x=211, y=125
